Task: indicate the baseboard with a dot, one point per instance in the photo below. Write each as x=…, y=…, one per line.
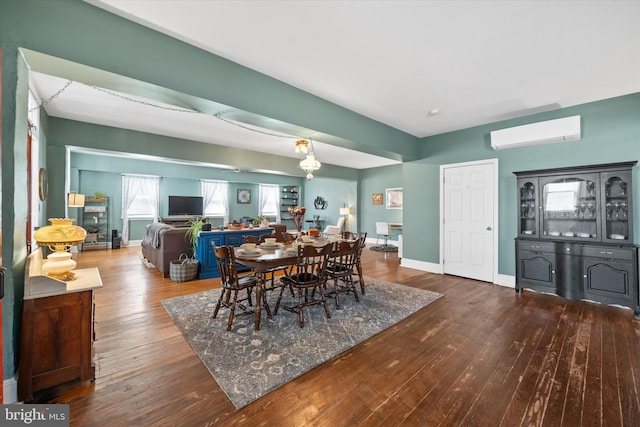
x=372, y=241
x=506, y=280
x=10, y=390
x=132, y=243
x=429, y=267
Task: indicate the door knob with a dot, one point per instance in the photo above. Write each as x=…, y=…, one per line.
x=489, y=228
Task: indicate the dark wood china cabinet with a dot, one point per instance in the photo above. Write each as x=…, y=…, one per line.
x=575, y=233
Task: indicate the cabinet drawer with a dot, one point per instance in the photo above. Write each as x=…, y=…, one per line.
x=527, y=245
x=604, y=252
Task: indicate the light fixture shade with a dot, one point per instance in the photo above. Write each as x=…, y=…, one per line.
x=309, y=163
x=60, y=235
x=345, y=211
x=302, y=146
x=75, y=200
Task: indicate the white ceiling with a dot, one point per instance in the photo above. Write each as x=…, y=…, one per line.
x=476, y=62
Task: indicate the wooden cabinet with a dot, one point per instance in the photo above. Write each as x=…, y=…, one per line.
x=575, y=234
x=56, y=339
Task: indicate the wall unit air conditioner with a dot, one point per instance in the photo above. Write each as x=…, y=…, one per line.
x=558, y=130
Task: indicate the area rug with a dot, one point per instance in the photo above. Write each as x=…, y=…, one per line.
x=248, y=364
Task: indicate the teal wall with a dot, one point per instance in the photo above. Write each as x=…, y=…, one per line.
x=610, y=133
x=337, y=193
x=77, y=31
x=103, y=173
x=377, y=180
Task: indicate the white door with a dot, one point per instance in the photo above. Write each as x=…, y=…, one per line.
x=468, y=215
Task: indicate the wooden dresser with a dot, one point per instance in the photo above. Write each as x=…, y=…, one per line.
x=56, y=339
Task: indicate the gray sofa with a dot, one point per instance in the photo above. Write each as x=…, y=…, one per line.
x=163, y=243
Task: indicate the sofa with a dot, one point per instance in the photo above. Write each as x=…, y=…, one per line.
x=164, y=243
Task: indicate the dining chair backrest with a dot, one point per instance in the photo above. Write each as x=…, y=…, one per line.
x=348, y=235
x=287, y=237
x=226, y=260
x=345, y=255
x=312, y=262
x=382, y=228
x=254, y=239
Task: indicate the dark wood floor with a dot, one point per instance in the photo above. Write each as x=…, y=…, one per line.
x=480, y=356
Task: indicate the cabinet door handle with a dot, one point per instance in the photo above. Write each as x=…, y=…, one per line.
x=606, y=253
x=553, y=272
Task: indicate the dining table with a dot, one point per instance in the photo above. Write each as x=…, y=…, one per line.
x=266, y=257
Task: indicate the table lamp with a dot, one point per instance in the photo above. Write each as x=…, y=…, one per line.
x=59, y=237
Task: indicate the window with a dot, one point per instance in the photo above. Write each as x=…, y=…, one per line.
x=216, y=199
x=269, y=201
x=140, y=195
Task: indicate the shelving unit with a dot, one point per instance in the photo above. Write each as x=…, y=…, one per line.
x=289, y=196
x=95, y=219
x=575, y=234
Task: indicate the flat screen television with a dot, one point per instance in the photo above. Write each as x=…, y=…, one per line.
x=185, y=205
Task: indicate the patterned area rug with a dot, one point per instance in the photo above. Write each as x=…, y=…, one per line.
x=249, y=364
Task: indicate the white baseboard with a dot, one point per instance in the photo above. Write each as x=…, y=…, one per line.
x=503, y=279
x=506, y=280
x=10, y=390
x=132, y=243
x=421, y=265
x=372, y=241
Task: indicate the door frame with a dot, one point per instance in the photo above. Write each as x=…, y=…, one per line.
x=494, y=162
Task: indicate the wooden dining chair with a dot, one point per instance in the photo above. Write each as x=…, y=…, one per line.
x=233, y=285
x=308, y=279
x=341, y=268
x=362, y=238
x=254, y=239
x=269, y=274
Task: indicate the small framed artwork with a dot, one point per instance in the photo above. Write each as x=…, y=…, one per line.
x=244, y=196
x=394, y=198
x=376, y=198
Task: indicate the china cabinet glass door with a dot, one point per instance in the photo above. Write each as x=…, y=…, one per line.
x=570, y=207
x=528, y=226
x=617, y=204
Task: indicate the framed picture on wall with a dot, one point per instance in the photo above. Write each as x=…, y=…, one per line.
x=244, y=196
x=394, y=198
x=376, y=198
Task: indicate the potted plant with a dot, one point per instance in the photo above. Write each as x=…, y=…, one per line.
x=261, y=220
x=195, y=226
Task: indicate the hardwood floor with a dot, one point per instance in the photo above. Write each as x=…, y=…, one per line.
x=480, y=356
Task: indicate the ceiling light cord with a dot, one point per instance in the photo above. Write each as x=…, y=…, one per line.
x=309, y=164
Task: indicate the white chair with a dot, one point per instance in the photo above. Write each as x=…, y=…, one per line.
x=332, y=230
x=382, y=229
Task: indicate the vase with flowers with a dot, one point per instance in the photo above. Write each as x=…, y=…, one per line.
x=297, y=215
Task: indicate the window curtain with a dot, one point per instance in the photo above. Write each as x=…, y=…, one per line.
x=216, y=192
x=134, y=186
x=268, y=195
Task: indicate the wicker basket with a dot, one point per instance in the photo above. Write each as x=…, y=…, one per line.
x=183, y=269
